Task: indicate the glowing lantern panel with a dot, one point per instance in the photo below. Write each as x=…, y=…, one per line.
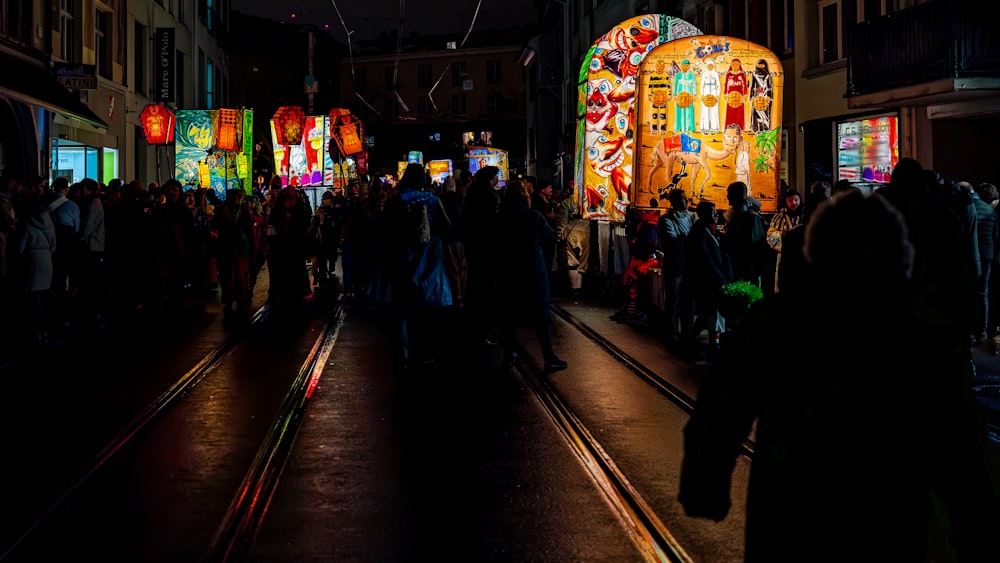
x=290, y=121
x=229, y=120
x=157, y=124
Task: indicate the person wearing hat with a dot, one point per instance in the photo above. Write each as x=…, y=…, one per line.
x=684, y=83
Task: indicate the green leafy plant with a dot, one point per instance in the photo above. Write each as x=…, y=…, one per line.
x=737, y=297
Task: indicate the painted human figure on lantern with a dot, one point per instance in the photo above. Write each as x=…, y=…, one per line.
x=685, y=92
x=735, y=93
x=761, y=96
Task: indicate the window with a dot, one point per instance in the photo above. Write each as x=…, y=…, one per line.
x=423, y=76
x=139, y=60
x=103, y=35
x=457, y=74
x=834, y=18
x=494, y=104
x=15, y=19
x=209, y=84
x=390, y=108
x=424, y=107
x=360, y=80
x=201, y=74
x=67, y=28
x=493, y=75
x=390, y=77
x=458, y=105
x=829, y=31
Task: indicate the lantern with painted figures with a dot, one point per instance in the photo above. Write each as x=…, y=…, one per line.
x=157, y=124
x=229, y=122
x=290, y=121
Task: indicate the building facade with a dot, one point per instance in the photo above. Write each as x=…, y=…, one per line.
x=77, y=73
x=438, y=97
x=178, y=57
x=53, y=75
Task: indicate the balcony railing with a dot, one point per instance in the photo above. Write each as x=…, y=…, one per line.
x=932, y=41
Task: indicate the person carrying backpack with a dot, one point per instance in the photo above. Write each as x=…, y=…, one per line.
x=413, y=266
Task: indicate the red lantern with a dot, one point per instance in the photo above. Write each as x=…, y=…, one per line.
x=289, y=123
x=157, y=124
x=229, y=120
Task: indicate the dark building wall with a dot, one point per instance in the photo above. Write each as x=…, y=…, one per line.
x=959, y=153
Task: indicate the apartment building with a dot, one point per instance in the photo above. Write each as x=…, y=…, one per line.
x=178, y=57
x=435, y=98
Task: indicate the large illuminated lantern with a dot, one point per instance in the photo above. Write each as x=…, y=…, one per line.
x=157, y=124
x=290, y=122
x=211, y=150
x=718, y=123
x=607, y=99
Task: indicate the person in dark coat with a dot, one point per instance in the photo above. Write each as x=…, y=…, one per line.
x=288, y=249
x=706, y=270
x=415, y=268
x=523, y=278
x=478, y=232
x=838, y=422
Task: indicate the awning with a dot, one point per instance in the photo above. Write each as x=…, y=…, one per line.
x=33, y=84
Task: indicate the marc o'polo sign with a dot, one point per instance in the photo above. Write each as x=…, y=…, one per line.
x=165, y=70
x=76, y=76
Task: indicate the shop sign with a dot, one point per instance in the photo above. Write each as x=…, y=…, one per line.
x=165, y=70
x=76, y=76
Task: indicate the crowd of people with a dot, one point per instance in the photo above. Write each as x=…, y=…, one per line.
x=85, y=255
x=905, y=270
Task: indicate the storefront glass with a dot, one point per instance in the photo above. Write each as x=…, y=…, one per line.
x=867, y=149
x=76, y=161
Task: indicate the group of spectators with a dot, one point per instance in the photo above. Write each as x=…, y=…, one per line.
x=83, y=255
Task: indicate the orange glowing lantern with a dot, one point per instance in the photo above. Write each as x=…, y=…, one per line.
x=290, y=121
x=347, y=131
x=229, y=122
x=157, y=124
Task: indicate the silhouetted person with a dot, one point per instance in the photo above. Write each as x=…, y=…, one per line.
x=479, y=233
x=854, y=435
x=943, y=278
x=522, y=275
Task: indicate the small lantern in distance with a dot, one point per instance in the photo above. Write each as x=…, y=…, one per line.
x=290, y=122
x=157, y=124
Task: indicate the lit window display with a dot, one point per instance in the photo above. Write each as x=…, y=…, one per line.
x=867, y=149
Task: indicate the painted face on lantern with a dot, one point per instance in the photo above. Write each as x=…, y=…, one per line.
x=599, y=108
x=605, y=155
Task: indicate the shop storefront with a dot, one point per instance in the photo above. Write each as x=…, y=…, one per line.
x=867, y=149
x=30, y=100
x=79, y=150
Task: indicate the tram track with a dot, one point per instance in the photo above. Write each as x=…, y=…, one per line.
x=234, y=538
x=138, y=425
x=263, y=474
x=649, y=533
x=658, y=382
